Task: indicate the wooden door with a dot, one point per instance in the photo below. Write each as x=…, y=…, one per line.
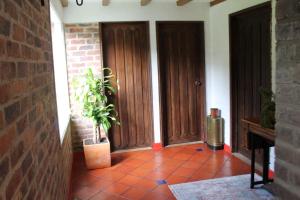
x=251, y=67
x=126, y=52
x=182, y=83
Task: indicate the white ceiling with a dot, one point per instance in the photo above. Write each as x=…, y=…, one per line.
x=120, y=1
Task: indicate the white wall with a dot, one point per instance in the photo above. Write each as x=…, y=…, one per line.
x=60, y=67
x=56, y=5
x=219, y=55
x=132, y=11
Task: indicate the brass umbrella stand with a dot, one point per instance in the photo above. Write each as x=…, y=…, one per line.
x=215, y=134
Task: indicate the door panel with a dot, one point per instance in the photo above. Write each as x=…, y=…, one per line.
x=126, y=52
x=251, y=67
x=181, y=66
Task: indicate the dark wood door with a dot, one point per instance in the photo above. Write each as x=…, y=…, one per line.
x=126, y=52
x=182, y=84
x=251, y=67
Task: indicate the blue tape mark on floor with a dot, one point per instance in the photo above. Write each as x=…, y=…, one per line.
x=161, y=182
x=199, y=149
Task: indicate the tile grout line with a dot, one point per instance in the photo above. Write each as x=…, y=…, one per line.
x=167, y=177
x=199, y=167
x=155, y=168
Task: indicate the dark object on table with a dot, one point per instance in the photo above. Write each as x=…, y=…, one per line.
x=267, y=116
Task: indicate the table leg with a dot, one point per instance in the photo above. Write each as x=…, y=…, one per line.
x=252, y=161
x=266, y=164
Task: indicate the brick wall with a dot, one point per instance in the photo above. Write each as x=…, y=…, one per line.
x=33, y=162
x=83, y=51
x=287, y=165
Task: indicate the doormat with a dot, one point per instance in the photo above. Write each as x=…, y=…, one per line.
x=228, y=188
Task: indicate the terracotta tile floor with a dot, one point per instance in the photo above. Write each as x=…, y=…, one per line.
x=146, y=174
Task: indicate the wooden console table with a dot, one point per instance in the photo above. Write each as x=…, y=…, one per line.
x=259, y=138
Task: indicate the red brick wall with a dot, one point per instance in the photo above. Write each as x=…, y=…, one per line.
x=33, y=162
x=83, y=51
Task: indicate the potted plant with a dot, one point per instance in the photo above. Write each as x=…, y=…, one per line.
x=91, y=92
x=267, y=116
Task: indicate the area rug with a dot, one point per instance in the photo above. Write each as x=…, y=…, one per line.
x=228, y=188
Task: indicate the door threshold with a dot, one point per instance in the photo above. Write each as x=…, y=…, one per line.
x=183, y=144
x=132, y=150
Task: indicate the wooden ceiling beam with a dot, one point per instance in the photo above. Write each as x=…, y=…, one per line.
x=182, y=2
x=64, y=3
x=105, y=2
x=145, y=2
x=215, y=2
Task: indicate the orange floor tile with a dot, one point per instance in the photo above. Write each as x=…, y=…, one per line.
x=146, y=174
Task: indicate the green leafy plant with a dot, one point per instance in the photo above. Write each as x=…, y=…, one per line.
x=267, y=117
x=91, y=92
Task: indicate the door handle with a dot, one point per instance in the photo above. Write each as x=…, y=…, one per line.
x=198, y=83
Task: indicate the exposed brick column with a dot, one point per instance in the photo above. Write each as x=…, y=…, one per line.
x=287, y=165
x=83, y=51
x=33, y=162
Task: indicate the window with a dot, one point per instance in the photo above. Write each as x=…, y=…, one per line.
x=60, y=71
